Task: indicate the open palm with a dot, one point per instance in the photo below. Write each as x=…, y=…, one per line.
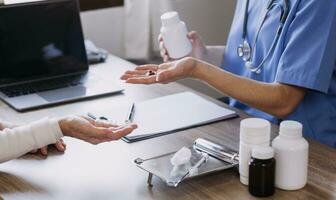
x=93, y=131
x=164, y=73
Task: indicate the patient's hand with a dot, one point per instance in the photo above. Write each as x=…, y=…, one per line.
x=93, y=131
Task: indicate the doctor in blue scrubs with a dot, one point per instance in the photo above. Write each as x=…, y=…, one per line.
x=279, y=64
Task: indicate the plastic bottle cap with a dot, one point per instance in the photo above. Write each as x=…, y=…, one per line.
x=263, y=152
x=170, y=18
x=291, y=129
x=255, y=131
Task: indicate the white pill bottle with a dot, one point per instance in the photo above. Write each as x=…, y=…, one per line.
x=291, y=155
x=254, y=132
x=174, y=33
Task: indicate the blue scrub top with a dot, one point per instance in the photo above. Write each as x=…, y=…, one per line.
x=305, y=56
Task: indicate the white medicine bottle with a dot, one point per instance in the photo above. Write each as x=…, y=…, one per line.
x=174, y=33
x=254, y=133
x=291, y=155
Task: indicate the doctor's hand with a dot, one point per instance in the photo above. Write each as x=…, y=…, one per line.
x=199, y=50
x=164, y=73
x=93, y=131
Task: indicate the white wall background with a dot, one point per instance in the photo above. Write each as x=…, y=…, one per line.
x=105, y=28
x=211, y=18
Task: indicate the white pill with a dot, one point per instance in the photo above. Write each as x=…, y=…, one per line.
x=181, y=157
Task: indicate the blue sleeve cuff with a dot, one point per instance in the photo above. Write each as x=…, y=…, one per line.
x=301, y=79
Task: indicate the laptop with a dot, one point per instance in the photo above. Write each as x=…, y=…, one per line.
x=43, y=59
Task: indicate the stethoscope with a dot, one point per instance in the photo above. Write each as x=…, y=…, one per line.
x=245, y=51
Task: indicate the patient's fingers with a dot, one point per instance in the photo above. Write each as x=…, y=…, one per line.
x=104, y=123
x=99, y=123
x=44, y=151
x=88, y=118
x=105, y=135
x=117, y=128
x=63, y=143
x=123, y=131
x=100, y=133
x=60, y=146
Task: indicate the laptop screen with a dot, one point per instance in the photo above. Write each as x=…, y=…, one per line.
x=41, y=39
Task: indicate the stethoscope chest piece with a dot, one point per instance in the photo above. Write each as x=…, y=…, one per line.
x=244, y=51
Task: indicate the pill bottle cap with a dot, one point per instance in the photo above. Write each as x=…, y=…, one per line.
x=170, y=18
x=291, y=129
x=263, y=152
x=255, y=131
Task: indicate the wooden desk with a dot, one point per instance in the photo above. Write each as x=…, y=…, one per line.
x=107, y=171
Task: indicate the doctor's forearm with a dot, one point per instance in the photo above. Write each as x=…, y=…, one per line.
x=276, y=99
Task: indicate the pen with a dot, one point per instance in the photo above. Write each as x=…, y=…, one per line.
x=130, y=114
x=95, y=118
x=91, y=116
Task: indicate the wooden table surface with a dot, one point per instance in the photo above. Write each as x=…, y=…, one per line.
x=107, y=171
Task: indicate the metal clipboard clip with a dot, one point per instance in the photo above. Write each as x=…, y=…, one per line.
x=207, y=157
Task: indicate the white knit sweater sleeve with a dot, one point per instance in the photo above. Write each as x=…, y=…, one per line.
x=19, y=141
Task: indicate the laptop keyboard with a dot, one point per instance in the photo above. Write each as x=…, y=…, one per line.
x=41, y=86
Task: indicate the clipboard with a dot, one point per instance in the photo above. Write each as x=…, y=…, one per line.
x=169, y=114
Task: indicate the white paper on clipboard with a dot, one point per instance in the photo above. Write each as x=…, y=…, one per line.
x=168, y=114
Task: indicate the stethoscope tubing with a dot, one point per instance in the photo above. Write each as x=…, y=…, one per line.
x=249, y=62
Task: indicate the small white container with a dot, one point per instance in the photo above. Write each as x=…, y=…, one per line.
x=174, y=33
x=291, y=155
x=254, y=132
